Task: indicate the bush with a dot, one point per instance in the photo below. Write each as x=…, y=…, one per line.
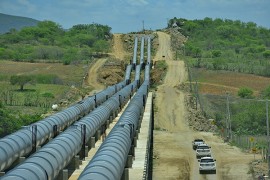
x=245, y=92
x=266, y=54
x=67, y=62
x=47, y=95
x=161, y=65
x=216, y=53
x=266, y=93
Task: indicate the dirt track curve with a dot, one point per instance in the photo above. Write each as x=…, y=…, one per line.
x=93, y=75
x=173, y=154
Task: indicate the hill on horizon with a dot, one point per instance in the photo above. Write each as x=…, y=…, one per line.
x=17, y=22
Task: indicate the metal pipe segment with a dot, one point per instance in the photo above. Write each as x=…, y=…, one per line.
x=47, y=162
x=149, y=50
x=134, y=62
x=138, y=70
x=147, y=72
x=142, y=50
x=19, y=143
x=128, y=71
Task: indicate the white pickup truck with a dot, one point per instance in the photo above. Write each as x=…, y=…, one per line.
x=207, y=165
x=203, y=150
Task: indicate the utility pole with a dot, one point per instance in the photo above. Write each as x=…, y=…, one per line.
x=189, y=77
x=184, y=51
x=267, y=125
x=197, y=94
x=228, y=122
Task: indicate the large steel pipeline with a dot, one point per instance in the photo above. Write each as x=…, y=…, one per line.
x=142, y=51
x=20, y=143
x=138, y=70
x=147, y=72
x=47, y=162
x=128, y=69
x=134, y=62
x=109, y=161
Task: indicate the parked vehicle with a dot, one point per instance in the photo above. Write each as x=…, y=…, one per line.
x=207, y=165
x=203, y=150
x=262, y=177
x=197, y=142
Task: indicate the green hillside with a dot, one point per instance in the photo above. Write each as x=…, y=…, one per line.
x=223, y=44
x=49, y=41
x=15, y=22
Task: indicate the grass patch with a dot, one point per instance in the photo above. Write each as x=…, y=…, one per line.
x=69, y=74
x=29, y=110
x=4, y=77
x=56, y=90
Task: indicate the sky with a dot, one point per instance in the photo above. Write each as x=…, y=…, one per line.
x=130, y=15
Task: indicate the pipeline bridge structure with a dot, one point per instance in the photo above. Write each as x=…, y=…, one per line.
x=54, y=147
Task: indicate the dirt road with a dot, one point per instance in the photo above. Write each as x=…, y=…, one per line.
x=118, y=49
x=92, y=75
x=164, y=50
x=173, y=154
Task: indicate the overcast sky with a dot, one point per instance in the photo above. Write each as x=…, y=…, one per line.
x=128, y=15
